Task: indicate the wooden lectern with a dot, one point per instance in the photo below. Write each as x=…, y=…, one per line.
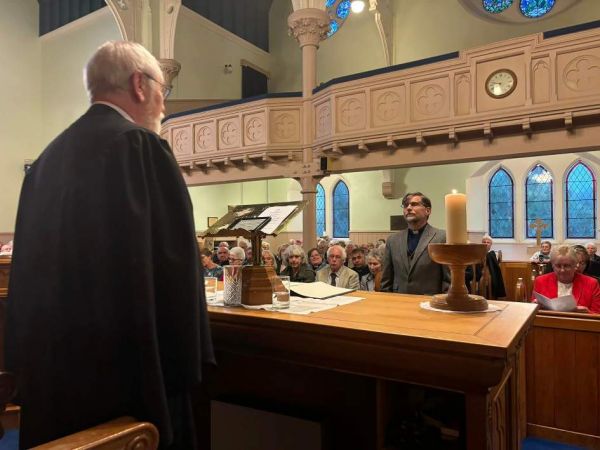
x=255, y=222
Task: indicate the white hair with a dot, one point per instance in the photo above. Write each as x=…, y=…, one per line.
x=591, y=244
x=238, y=253
x=293, y=250
x=487, y=236
x=341, y=248
x=110, y=68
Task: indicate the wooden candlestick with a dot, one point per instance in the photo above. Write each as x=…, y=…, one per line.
x=458, y=257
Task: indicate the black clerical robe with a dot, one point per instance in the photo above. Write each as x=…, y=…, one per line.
x=106, y=311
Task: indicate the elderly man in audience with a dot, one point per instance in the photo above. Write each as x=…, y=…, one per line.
x=6, y=249
x=315, y=259
x=222, y=256
x=493, y=267
x=584, y=263
x=237, y=256
x=268, y=258
x=295, y=265
x=565, y=280
x=359, y=262
x=322, y=246
x=210, y=268
x=591, y=250
x=542, y=255
x=335, y=273
x=372, y=280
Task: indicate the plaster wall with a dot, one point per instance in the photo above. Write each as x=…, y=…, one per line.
x=203, y=49
x=20, y=107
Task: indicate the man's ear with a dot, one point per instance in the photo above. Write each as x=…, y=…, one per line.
x=136, y=82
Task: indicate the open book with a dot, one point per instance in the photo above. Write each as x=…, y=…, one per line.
x=318, y=289
x=566, y=303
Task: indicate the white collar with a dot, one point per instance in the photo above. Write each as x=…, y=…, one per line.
x=116, y=108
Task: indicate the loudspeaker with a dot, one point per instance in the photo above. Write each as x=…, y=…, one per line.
x=323, y=163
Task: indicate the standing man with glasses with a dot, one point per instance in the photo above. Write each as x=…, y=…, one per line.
x=106, y=310
x=407, y=267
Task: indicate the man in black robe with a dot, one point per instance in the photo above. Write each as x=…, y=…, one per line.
x=106, y=310
x=497, y=289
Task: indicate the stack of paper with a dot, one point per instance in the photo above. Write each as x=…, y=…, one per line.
x=565, y=303
x=318, y=289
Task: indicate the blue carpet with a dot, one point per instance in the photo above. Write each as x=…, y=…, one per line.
x=10, y=441
x=541, y=444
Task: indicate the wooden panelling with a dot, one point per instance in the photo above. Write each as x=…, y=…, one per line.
x=511, y=271
x=562, y=379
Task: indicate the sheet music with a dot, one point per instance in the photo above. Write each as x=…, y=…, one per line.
x=565, y=303
x=277, y=214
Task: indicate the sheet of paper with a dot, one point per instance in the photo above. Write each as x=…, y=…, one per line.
x=565, y=303
x=277, y=214
x=318, y=289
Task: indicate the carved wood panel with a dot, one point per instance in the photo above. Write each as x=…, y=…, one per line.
x=323, y=115
x=205, y=137
x=462, y=89
x=351, y=112
x=540, y=80
x=578, y=73
x=284, y=125
x=229, y=133
x=430, y=99
x=182, y=140
x=388, y=105
x=255, y=128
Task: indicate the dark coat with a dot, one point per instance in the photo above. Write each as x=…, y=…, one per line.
x=106, y=310
x=497, y=282
x=305, y=274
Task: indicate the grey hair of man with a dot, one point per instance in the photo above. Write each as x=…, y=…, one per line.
x=341, y=248
x=294, y=250
x=563, y=250
x=487, y=236
x=112, y=65
x=238, y=253
x=591, y=245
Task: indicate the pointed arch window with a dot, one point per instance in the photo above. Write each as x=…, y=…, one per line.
x=341, y=210
x=320, y=207
x=501, y=205
x=580, y=195
x=538, y=201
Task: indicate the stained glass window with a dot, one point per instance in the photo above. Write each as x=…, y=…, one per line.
x=341, y=210
x=496, y=6
x=333, y=27
x=538, y=201
x=580, y=194
x=329, y=3
x=536, y=8
x=320, y=207
x=343, y=9
x=500, y=206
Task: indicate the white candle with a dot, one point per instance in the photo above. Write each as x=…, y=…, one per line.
x=456, y=218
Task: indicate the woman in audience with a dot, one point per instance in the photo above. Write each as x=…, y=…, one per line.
x=210, y=268
x=279, y=257
x=565, y=280
x=296, y=267
x=237, y=256
x=268, y=258
x=585, y=265
x=372, y=280
x=315, y=259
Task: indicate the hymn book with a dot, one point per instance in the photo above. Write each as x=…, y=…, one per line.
x=566, y=303
x=318, y=290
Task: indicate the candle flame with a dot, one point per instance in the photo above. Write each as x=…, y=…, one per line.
x=454, y=191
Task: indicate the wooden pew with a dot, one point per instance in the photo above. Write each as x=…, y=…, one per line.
x=562, y=354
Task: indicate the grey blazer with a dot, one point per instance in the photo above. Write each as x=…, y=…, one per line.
x=420, y=275
x=347, y=278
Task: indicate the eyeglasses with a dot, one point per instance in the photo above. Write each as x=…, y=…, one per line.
x=165, y=90
x=412, y=205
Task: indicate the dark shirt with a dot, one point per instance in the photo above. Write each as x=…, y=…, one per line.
x=304, y=275
x=361, y=270
x=413, y=239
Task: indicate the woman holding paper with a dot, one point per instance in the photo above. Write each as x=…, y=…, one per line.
x=564, y=280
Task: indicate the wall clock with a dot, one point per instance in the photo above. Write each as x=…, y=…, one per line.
x=501, y=83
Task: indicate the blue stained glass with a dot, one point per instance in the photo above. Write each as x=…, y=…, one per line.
x=501, y=211
x=536, y=8
x=538, y=201
x=341, y=210
x=333, y=27
x=320, y=207
x=343, y=9
x=580, y=193
x=496, y=6
x=329, y=3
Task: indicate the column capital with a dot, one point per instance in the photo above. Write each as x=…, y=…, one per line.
x=308, y=26
x=170, y=69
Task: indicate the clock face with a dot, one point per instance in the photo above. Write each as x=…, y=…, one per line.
x=501, y=83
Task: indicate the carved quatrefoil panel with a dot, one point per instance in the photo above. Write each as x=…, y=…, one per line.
x=388, y=106
x=284, y=125
x=255, y=129
x=578, y=73
x=182, y=140
x=229, y=133
x=206, y=137
x=430, y=99
x=351, y=112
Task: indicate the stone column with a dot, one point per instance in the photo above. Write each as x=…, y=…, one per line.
x=309, y=26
